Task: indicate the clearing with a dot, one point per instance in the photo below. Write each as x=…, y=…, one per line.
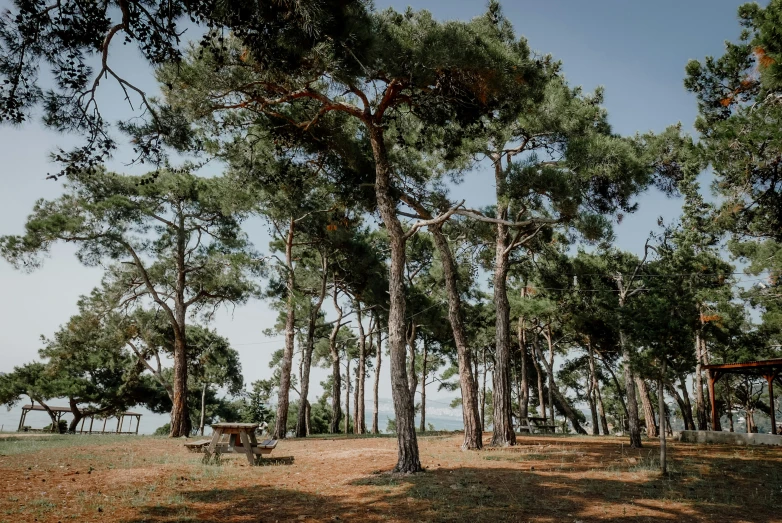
x=545, y=478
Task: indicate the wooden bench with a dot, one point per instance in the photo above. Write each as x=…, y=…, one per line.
x=547, y=428
x=198, y=445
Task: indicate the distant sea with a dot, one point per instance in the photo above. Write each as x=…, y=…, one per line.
x=441, y=418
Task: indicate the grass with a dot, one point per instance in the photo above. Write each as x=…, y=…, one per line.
x=544, y=478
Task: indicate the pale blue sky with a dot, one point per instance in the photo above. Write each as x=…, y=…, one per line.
x=636, y=50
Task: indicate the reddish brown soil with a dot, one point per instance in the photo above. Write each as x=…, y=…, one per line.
x=134, y=479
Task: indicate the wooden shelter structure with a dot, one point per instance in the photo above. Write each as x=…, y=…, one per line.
x=60, y=411
x=768, y=369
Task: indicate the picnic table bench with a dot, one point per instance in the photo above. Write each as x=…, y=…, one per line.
x=539, y=423
x=240, y=439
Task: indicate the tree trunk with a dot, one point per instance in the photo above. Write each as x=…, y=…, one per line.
x=407, y=460
x=539, y=372
x=336, y=389
x=646, y=403
x=565, y=407
x=483, y=392
x=423, y=388
x=592, y=406
x=375, y=385
x=633, y=423
x=203, y=409
x=77, y=416
x=524, y=393
x=661, y=408
x=359, y=419
x=700, y=404
x=687, y=410
x=347, y=393
x=281, y=426
x=412, y=376
x=550, y=371
x=473, y=437
x=303, y=421
x=502, y=425
x=180, y=415
x=597, y=401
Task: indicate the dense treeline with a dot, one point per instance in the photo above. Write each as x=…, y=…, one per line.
x=344, y=128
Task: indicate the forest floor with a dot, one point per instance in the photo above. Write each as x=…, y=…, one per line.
x=544, y=478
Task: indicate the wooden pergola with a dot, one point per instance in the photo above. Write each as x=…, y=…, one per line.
x=60, y=411
x=768, y=369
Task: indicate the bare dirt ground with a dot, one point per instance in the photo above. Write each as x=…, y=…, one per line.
x=543, y=479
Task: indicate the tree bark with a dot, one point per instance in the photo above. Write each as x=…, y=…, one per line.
x=281, y=426
x=303, y=421
x=643, y=391
x=407, y=459
x=77, y=416
x=550, y=367
x=524, y=393
x=597, y=401
x=412, y=376
x=483, y=391
x=539, y=372
x=347, y=393
x=180, y=415
x=473, y=437
x=661, y=408
x=336, y=389
x=359, y=419
x=687, y=410
x=375, y=385
x=203, y=409
x=633, y=423
x=700, y=404
x=423, y=388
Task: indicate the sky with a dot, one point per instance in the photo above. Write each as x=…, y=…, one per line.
x=636, y=50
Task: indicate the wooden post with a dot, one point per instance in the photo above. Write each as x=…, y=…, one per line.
x=712, y=378
x=103, y=430
x=81, y=430
x=119, y=419
x=138, y=422
x=92, y=420
x=21, y=420
x=248, y=449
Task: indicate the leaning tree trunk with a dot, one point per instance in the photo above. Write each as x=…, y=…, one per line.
x=473, y=438
x=408, y=460
x=376, y=384
x=303, y=421
x=77, y=416
x=592, y=406
x=646, y=403
x=560, y=398
x=281, y=425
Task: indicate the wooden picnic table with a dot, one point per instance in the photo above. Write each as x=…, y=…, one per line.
x=540, y=424
x=241, y=440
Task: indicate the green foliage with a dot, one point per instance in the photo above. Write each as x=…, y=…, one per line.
x=163, y=431
x=255, y=408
